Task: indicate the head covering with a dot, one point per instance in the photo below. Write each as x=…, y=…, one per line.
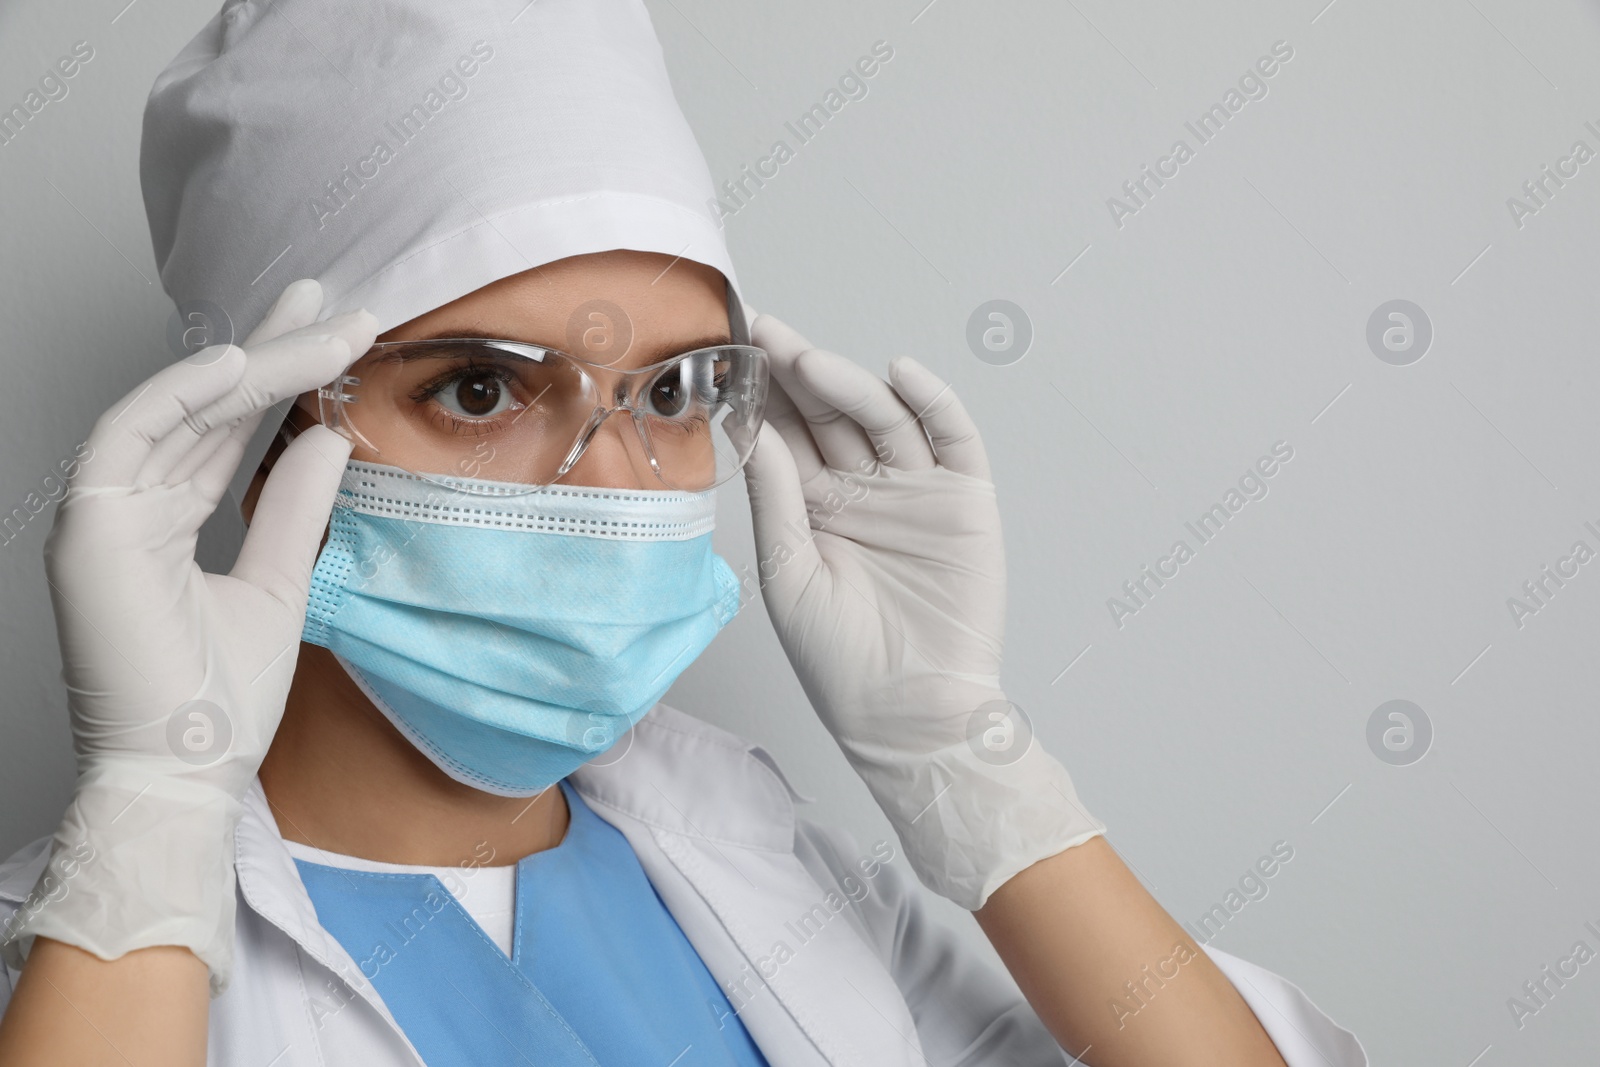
x=408, y=152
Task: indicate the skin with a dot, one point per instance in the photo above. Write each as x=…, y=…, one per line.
x=1072, y=929
x=393, y=804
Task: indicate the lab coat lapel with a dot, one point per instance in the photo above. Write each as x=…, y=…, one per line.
x=711, y=819
x=270, y=884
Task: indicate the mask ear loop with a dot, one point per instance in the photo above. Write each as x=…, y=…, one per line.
x=288, y=430
x=282, y=438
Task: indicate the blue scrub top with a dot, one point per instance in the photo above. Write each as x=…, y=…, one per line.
x=600, y=973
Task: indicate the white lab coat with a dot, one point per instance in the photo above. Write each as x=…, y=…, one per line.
x=874, y=982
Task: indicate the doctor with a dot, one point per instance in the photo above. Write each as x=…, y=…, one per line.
x=398, y=788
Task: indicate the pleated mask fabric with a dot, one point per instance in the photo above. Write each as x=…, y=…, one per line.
x=514, y=639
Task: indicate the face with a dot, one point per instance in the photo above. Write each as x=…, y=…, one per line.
x=481, y=413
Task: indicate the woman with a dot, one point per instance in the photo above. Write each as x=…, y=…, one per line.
x=398, y=789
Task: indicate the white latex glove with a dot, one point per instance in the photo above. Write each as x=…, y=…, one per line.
x=886, y=584
x=177, y=679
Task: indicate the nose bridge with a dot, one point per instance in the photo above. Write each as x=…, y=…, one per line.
x=604, y=459
x=617, y=389
x=601, y=416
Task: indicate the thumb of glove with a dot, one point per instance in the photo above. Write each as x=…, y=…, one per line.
x=285, y=534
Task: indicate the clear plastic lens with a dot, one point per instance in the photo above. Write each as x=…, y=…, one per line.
x=520, y=414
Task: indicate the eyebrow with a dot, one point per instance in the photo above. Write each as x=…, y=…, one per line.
x=656, y=354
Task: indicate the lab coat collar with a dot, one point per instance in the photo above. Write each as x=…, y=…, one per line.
x=711, y=818
x=269, y=882
x=728, y=798
x=674, y=772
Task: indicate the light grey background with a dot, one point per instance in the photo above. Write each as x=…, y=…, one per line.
x=1226, y=315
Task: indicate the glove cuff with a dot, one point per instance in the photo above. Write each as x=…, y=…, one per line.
x=135, y=864
x=967, y=825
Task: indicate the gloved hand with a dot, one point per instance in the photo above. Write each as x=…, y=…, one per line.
x=883, y=568
x=177, y=679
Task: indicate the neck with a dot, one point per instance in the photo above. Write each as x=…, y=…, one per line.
x=340, y=777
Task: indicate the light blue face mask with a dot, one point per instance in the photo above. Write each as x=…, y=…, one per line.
x=513, y=638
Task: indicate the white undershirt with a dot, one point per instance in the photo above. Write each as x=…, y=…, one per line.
x=489, y=894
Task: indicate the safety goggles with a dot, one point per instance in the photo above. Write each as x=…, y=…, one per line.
x=522, y=414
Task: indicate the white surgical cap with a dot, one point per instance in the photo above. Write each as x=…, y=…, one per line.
x=407, y=152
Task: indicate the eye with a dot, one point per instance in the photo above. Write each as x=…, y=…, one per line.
x=684, y=390
x=667, y=396
x=474, y=393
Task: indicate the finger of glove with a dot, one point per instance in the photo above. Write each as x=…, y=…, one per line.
x=896, y=435
x=781, y=413
x=199, y=454
x=127, y=433
x=842, y=444
x=275, y=370
x=786, y=552
x=281, y=547
x=306, y=358
x=211, y=477
x=954, y=436
x=296, y=306
x=286, y=366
